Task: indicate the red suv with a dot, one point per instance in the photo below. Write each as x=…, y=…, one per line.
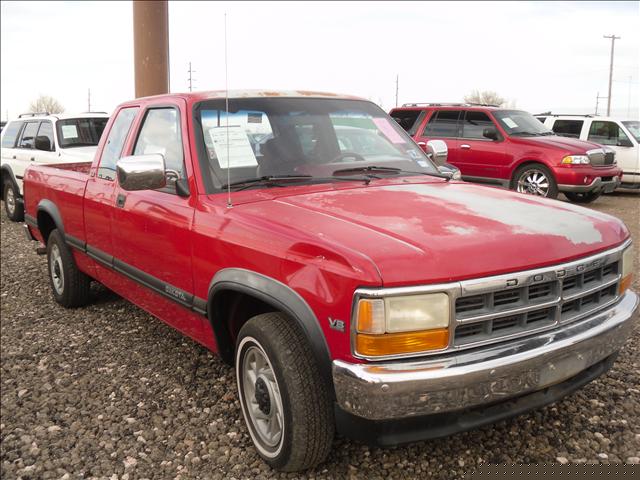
x=513, y=149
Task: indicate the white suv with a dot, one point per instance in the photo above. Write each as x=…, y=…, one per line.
x=621, y=135
x=44, y=138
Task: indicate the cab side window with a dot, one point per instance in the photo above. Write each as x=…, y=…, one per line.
x=115, y=142
x=443, y=123
x=10, y=134
x=44, y=139
x=160, y=133
x=607, y=133
x=28, y=138
x=474, y=125
x=568, y=128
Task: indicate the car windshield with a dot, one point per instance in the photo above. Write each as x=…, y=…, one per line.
x=309, y=138
x=634, y=128
x=519, y=122
x=80, y=132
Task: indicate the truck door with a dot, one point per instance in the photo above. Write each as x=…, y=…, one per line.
x=442, y=125
x=152, y=228
x=25, y=153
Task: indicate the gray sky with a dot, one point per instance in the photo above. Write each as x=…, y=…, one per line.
x=545, y=56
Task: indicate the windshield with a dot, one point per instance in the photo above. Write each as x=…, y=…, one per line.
x=310, y=138
x=519, y=122
x=80, y=132
x=634, y=128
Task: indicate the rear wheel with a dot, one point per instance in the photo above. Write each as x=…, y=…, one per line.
x=583, y=197
x=535, y=179
x=286, y=404
x=12, y=204
x=69, y=285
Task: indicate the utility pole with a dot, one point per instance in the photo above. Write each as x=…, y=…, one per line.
x=613, y=42
x=397, y=78
x=598, y=97
x=151, y=47
x=191, y=79
x=89, y=100
x=629, y=99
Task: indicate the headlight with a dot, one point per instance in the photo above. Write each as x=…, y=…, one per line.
x=627, y=270
x=401, y=324
x=456, y=175
x=575, y=160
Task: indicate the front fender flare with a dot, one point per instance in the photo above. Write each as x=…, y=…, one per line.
x=281, y=297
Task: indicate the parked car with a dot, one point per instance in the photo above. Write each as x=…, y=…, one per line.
x=44, y=138
x=510, y=148
x=622, y=136
x=353, y=291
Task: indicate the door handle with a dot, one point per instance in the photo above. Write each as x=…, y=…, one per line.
x=465, y=146
x=14, y=157
x=120, y=200
x=33, y=159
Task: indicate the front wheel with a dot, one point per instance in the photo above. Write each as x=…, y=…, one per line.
x=535, y=179
x=583, y=197
x=285, y=402
x=12, y=204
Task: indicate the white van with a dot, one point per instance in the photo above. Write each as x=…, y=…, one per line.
x=621, y=135
x=44, y=138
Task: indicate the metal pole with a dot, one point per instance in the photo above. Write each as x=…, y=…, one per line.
x=151, y=47
x=613, y=42
x=190, y=86
x=597, y=101
x=89, y=100
x=629, y=99
x=397, y=78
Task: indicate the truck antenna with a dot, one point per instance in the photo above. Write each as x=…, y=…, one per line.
x=226, y=99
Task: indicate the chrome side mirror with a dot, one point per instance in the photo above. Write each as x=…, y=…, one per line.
x=141, y=172
x=450, y=171
x=437, y=151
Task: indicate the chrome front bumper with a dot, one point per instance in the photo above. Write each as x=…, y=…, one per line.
x=597, y=184
x=401, y=389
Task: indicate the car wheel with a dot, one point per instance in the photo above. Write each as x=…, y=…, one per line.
x=69, y=285
x=285, y=402
x=583, y=197
x=12, y=205
x=535, y=179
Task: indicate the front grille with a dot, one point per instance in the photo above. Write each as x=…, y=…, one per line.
x=600, y=157
x=534, y=301
x=609, y=158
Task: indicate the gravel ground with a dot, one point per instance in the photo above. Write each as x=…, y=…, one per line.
x=109, y=392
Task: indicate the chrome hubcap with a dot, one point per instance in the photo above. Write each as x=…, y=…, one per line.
x=55, y=265
x=261, y=398
x=11, y=200
x=533, y=182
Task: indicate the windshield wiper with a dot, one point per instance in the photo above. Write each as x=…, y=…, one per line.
x=372, y=169
x=280, y=180
x=533, y=134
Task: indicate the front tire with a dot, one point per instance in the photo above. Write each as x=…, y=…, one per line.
x=583, y=197
x=12, y=204
x=535, y=179
x=285, y=402
x=69, y=285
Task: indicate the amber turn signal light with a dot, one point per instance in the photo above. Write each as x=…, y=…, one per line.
x=625, y=283
x=399, y=343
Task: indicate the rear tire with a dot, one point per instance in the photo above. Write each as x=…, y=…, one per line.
x=12, y=204
x=285, y=402
x=69, y=285
x=583, y=197
x=535, y=179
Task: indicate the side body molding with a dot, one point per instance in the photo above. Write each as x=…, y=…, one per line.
x=281, y=297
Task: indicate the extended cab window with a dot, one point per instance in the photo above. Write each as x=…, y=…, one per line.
x=474, y=125
x=160, y=133
x=568, y=128
x=115, y=142
x=44, y=140
x=607, y=133
x=10, y=136
x=443, y=123
x=28, y=138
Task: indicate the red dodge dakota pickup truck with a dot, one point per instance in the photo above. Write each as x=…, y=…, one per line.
x=309, y=241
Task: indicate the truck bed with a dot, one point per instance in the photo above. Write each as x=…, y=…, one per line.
x=63, y=186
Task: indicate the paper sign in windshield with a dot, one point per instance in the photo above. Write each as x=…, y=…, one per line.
x=238, y=153
x=391, y=133
x=510, y=123
x=69, y=131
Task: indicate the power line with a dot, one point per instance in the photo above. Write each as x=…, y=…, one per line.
x=613, y=43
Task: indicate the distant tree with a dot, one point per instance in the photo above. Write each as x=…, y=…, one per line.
x=45, y=103
x=487, y=96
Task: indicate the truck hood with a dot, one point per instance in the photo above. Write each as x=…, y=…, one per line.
x=417, y=233
x=571, y=145
x=79, y=154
